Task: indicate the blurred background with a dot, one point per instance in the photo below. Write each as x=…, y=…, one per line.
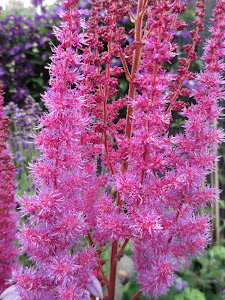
x=14, y=5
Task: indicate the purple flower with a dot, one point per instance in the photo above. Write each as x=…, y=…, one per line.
x=180, y=284
x=116, y=62
x=18, y=61
x=85, y=4
x=23, y=121
x=1, y=71
x=37, y=2
x=17, y=154
x=190, y=84
x=22, y=159
x=15, y=50
x=28, y=46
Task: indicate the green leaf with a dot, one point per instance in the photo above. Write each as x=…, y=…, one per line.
x=39, y=81
x=218, y=252
x=199, y=63
x=190, y=294
x=130, y=289
x=43, y=30
x=123, y=84
x=222, y=204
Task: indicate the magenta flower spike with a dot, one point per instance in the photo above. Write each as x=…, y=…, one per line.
x=106, y=180
x=8, y=252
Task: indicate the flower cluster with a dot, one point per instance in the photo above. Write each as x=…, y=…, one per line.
x=158, y=178
x=23, y=42
x=8, y=252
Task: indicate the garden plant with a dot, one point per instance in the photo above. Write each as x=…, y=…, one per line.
x=112, y=172
x=8, y=252
x=24, y=51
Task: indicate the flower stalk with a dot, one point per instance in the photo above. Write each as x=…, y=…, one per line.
x=8, y=252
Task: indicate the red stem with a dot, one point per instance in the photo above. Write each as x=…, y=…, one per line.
x=182, y=79
x=136, y=295
x=135, y=66
x=103, y=274
x=131, y=94
x=99, y=260
x=184, y=76
x=155, y=70
x=113, y=267
x=90, y=240
x=120, y=252
x=127, y=73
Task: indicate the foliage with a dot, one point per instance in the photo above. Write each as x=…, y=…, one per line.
x=24, y=52
x=204, y=277
x=207, y=273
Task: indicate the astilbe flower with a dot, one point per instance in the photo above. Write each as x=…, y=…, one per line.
x=159, y=178
x=8, y=252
